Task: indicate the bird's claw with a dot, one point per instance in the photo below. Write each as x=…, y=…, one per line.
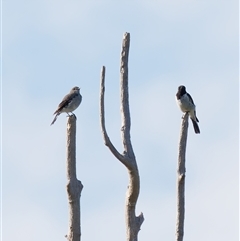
x=72, y=114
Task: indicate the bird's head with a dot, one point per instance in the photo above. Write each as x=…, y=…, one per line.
x=182, y=89
x=75, y=88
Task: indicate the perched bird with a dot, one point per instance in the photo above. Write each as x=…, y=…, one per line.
x=69, y=103
x=186, y=104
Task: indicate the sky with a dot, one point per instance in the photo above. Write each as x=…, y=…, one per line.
x=48, y=47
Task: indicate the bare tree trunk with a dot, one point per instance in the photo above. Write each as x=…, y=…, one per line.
x=133, y=222
x=74, y=186
x=181, y=179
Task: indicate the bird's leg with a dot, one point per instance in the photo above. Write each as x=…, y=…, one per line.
x=184, y=114
x=74, y=115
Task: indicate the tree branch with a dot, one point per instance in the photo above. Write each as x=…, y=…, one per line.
x=126, y=120
x=133, y=222
x=181, y=179
x=106, y=138
x=74, y=186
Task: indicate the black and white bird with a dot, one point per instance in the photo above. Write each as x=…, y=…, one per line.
x=186, y=104
x=69, y=103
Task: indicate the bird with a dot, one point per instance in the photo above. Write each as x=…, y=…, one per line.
x=69, y=103
x=186, y=104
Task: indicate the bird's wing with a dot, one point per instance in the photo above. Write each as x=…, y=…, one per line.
x=190, y=98
x=68, y=98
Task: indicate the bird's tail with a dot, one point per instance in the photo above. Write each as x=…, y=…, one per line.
x=195, y=126
x=55, y=118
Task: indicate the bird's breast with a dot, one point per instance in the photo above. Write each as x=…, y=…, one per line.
x=185, y=105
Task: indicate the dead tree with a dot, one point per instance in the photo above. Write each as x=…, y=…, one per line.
x=181, y=179
x=133, y=222
x=74, y=186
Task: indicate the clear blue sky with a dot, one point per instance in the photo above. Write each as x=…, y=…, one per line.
x=50, y=46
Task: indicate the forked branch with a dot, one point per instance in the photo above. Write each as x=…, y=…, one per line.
x=133, y=222
x=106, y=138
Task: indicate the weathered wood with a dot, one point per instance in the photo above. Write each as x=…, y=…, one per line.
x=181, y=170
x=74, y=186
x=133, y=222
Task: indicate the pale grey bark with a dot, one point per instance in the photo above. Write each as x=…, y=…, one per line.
x=133, y=222
x=181, y=179
x=74, y=186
